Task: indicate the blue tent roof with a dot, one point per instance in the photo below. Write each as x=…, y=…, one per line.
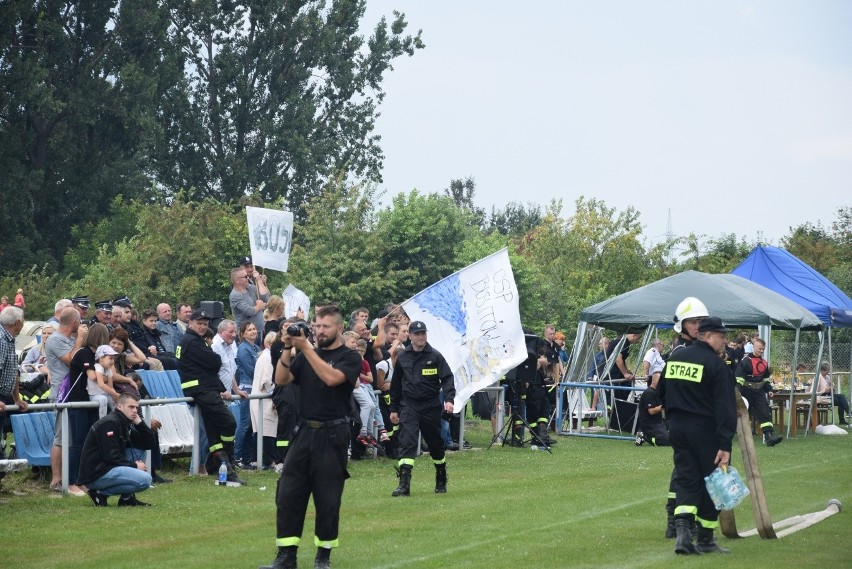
x=789, y=276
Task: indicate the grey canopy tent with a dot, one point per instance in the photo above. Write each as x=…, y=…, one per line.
x=737, y=301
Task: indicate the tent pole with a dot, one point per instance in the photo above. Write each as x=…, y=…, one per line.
x=814, y=384
x=792, y=414
x=765, y=331
x=830, y=376
x=573, y=362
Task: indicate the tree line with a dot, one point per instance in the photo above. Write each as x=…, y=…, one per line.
x=132, y=135
x=350, y=250
x=207, y=99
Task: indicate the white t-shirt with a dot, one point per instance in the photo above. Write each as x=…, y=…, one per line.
x=93, y=387
x=385, y=365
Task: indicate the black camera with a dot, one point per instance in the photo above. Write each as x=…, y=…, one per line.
x=299, y=329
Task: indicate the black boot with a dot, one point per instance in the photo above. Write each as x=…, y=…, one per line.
x=684, y=545
x=404, y=488
x=707, y=543
x=228, y=453
x=440, y=479
x=323, y=558
x=286, y=559
x=670, y=521
x=544, y=435
x=517, y=437
x=770, y=439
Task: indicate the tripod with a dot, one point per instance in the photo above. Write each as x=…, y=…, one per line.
x=508, y=428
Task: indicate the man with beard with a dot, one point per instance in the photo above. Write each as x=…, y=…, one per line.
x=316, y=460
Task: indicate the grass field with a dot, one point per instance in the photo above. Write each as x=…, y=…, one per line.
x=593, y=503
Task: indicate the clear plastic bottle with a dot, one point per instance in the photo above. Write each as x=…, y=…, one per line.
x=223, y=475
x=726, y=489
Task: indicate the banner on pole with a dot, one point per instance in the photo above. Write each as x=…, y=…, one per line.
x=294, y=301
x=270, y=234
x=472, y=318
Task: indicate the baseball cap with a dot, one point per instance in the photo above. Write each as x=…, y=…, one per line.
x=105, y=350
x=416, y=326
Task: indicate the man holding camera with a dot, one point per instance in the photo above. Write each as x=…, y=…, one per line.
x=420, y=373
x=316, y=459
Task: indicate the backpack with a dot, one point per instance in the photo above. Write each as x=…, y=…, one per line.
x=65, y=387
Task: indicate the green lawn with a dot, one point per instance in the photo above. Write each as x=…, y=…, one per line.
x=593, y=503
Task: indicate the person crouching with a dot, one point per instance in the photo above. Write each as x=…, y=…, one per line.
x=104, y=467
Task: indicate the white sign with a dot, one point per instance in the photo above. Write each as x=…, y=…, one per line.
x=472, y=318
x=270, y=234
x=295, y=301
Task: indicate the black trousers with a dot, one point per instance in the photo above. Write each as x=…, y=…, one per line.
x=695, y=446
x=655, y=433
x=219, y=423
x=538, y=406
x=758, y=406
x=315, y=466
x=425, y=418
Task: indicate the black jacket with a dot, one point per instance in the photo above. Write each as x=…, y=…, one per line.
x=136, y=332
x=418, y=376
x=198, y=365
x=152, y=338
x=106, y=443
x=696, y=382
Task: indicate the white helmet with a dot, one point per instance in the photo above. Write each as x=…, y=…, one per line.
x=689, y=307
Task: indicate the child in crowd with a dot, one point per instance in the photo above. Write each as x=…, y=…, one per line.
x=101, y=389
x=363, y=393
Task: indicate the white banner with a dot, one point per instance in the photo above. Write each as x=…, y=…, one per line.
x=270, y=234
x=472, y=318
x=294, y=301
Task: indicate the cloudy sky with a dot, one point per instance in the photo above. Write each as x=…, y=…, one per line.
x=736, y=115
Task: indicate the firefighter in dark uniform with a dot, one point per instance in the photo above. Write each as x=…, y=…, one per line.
x=651, y=422
x=553, y=373
x=198, y=366
x=687, y=318
x=420, y=372
x=316, y=459
x=753, y=378
x=699, y=400
x=537, y=400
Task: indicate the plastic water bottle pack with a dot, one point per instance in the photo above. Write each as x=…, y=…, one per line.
x=726, y=488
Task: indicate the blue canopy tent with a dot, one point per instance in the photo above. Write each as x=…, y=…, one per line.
x=789, y=276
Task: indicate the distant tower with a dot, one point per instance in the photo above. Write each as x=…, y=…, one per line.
x=669, y=237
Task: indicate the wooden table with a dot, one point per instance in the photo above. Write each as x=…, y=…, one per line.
x=781, y=398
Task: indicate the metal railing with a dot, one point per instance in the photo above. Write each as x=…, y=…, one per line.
x=195, y=459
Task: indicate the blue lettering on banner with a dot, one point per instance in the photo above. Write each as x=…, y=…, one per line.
x=271, y=236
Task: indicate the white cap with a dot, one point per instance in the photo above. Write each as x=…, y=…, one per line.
x=105, y=350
